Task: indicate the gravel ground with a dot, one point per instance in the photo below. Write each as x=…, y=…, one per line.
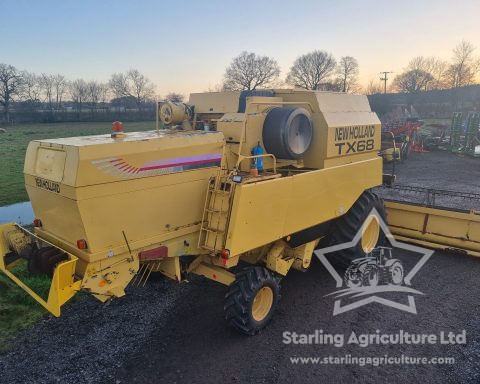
x=90, y=338
x=437, y=170
x=170, y=332
x=176, y=333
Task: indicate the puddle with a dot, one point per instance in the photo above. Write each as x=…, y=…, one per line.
x=21, y=213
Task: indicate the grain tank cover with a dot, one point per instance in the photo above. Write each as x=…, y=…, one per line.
x=90, y=187
x=91, y=160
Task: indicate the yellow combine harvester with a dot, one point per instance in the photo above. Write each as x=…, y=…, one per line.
x=257, y=177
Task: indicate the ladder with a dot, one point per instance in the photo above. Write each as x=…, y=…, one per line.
x=216, y=213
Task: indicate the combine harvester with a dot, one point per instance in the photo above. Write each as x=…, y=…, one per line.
x=257, y=178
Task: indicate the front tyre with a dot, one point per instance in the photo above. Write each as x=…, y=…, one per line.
x=252, y=299
x=346, y=227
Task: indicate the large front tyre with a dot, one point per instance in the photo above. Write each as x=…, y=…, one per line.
x=252, y=299
x=346, y=227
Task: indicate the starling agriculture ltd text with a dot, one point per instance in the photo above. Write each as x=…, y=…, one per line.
x=377, y=338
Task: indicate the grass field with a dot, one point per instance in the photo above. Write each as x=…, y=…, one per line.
x=17, y=309
x=13, y=145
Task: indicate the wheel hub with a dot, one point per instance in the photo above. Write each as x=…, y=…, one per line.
x=262, y=303
x=370, y=235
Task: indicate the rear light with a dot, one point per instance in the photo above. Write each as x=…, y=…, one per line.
x=225, y=254
x=117, y=126
x=37, y=223
x=82, y=244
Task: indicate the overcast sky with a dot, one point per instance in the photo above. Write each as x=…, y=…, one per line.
x=184, y=46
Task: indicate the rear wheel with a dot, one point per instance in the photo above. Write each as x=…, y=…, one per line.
x=251, y=300
x=346, y=227
x=44, y=260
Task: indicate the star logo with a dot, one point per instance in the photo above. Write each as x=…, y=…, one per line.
x=371, y=291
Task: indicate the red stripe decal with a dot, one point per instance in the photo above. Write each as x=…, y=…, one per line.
x=179, y=164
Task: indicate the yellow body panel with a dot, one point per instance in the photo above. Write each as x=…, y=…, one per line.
x=96, y=200
x=215, y=102
x=346, y=128
x=267, y=211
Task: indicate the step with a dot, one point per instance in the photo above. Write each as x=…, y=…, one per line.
x=220, y=192
x=208, y=229
x=216, y=210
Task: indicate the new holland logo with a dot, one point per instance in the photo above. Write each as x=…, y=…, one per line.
x=47, y=184
x=367, y=278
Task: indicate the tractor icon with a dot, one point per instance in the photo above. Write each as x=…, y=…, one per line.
x=379, y=268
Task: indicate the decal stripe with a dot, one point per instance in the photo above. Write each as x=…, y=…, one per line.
x=179, y=164
x=183, y=159
x=117, y=166
x=105, y=160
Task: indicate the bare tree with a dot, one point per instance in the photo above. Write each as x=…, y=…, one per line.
x=373, y=87
x=47, y=84
x=132, y=84
x=438, y=71
x=79, y=93
x=424, y=73
x=347, y=71
x=104, y=94
x=31, y=88
x=142, y=88
x=119, y=85
x=249, y=71
x=175, y=97
x=311, y=70
x=93, y=94
x=59, y=87
x=465, y=65
x=11, y=81
x=412, y=81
